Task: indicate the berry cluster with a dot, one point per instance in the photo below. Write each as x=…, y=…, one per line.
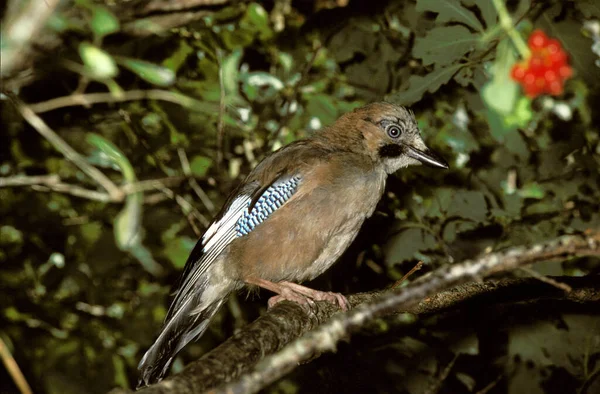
x=546, y=70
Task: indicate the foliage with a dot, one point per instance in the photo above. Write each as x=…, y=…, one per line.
x=85, y=283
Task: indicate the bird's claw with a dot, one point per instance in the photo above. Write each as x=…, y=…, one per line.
x=306, y=297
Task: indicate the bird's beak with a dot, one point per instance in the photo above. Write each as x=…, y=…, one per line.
x=427, y=157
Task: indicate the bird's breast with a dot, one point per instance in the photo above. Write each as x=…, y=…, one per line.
x=307, y=234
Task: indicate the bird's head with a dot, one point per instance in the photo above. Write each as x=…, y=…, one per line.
x=389, y=134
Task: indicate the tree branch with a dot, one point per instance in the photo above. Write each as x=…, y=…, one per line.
x=78, y=99
x=22, y=25
x=429, y=294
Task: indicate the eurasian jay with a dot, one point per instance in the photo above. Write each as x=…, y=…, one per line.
x=290, y=220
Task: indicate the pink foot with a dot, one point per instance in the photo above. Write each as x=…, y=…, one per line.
x=302, y=295
x=334, y=298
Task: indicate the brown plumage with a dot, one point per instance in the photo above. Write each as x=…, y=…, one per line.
x=290, y=220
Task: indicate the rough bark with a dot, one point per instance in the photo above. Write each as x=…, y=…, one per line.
x=432, y=293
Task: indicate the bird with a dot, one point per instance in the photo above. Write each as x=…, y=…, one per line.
x=290, y=219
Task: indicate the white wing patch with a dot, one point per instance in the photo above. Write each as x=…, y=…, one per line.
x=215, y=240
x=223, y=226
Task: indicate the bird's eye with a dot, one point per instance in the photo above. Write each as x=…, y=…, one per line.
x=394, y=131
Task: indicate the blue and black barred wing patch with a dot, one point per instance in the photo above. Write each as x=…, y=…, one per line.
x=269, y=201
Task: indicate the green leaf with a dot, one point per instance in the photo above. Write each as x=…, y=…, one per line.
x=532, y=190
x=568, y=32
x=450, y=11
x=261, y=86
x=257, y=19
x=444, y=45
x=468, y=204
x=178, y=58
x=589, y=8
x=128, y=230
x=230, y=67
x=103, y=22
x=149, y=72
x=323, y=107
x=417, y=85
x=501, y=93
x=405, y=245
x=200, y=165
x=178, y=249
x=488, y=11
x=114, y=154
x=100, y=64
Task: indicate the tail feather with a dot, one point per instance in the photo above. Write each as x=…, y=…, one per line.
x=187, y=324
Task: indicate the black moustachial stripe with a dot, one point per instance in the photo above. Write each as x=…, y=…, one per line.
x=391, y=150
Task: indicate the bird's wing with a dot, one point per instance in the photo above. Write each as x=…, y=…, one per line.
x=249, y=206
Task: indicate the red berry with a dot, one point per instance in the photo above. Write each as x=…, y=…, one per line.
x=529, y=78
x=518, y=72
x=537, y=39
x=540, y=82
x=546, y=70
x=565, y=72
x=553, y=46
x=555, y=88
x=536, y=62
x=550, y=75
x=558, y=57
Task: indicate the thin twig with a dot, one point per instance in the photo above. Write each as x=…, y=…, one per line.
x=414, y=269
x=490, y=385
x=188, y=210
x=151, y=184
x=187, y=171
x=87, y=99
x=74, y=191
x=13, y=369
x=24, y=180
x=437, y=384
x=70, y=154
x=545, y=279
x=52, y=182
x=220, y=124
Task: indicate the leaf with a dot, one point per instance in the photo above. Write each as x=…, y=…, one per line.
x=178, y=249
x=589, y=8
x=114, y=154
x=444, y=45
x=501, y=93
x=128, y=222
x=532, y=190
x=150, y=72
x=261, y=86
x=200, y=165
x=230, y=66
x=178, y=58
x=450, y=11
x=103, y=22
x=323, y=107
x=568, y=31
x=488, y=11
x=417, y=85
x=468, y=204
x=403, y=246
x=98, y=62
x=257, y=19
